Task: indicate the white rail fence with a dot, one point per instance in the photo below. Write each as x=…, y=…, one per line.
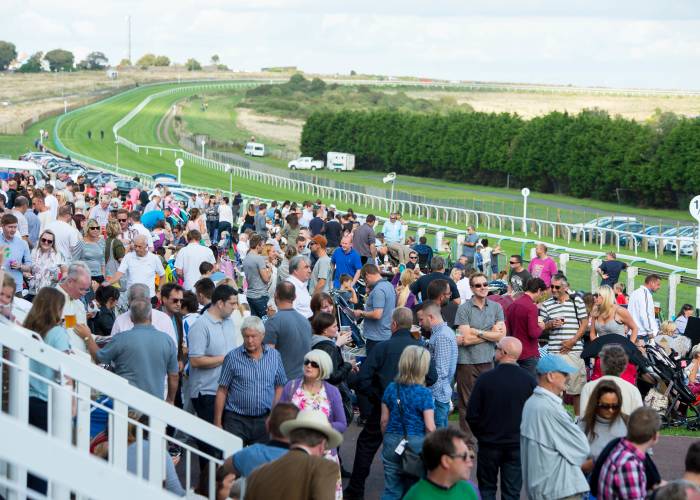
x=71, y=401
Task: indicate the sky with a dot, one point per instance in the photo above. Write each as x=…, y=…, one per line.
x=640, y=44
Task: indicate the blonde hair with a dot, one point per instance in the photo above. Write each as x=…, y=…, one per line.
x=413, y=365
x=607, y=303
x=113, y=229
x=407, y=277
x=86, y=227
x=667, y=328
x=456, y=274
x=325, y=364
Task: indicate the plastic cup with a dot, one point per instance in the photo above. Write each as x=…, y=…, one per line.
x=70, y=320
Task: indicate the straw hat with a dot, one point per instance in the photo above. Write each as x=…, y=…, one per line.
x=314, y=420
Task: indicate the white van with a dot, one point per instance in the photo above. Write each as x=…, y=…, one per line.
x=254, y=149
x=340, y=161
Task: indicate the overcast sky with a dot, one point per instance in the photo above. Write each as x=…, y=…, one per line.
x=634, y=43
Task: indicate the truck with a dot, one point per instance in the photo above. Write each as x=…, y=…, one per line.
x=305, y=163
x=254, y=149
x=340, y=161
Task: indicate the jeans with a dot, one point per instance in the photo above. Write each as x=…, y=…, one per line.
x=258, y=307
x=212, y=229
x=489, y=461
x=529, y=364
x=368, y=442
x=442, y=412
x=396, y=484
x=250, y=429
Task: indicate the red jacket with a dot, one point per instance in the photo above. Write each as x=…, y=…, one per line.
x=521, y=323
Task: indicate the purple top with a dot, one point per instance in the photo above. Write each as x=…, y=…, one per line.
x=337, y=416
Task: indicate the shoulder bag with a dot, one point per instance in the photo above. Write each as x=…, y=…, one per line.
x=411, y=461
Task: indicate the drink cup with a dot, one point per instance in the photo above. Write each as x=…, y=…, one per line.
x=70, y=320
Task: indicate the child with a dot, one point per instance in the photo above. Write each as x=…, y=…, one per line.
x=347, y=291
x=485, y=252
x=620, y=296
x=206, y=269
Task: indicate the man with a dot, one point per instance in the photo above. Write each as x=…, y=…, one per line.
x=204, y=289
x=74, y=286
x=364, y=240
x=19, y=211
x=480, y=326
x=495, y=421
x=692, y=464
x=469, y=246
x=11, y=193
x=542, y=266
x=522, y=323
x=377, y=312
x=425, y=253
x=250, y=383
x=41, y=210
x=152, y=205
x=33, y=222
x=68, y=239
x=376, y=373
x=610, y=270
x=622, y=474
x=188, y=259
x=419, y=288
x=258, y=273
x=19, y=259
x=139, y=266
x=443, y=351
x=439, y=291
x=395, y=237
x=449, y=463
x=303, y=472
x=641, y=307
x=299, y=273
x=552, y=446
x=346, y=260
x=51, y=201
x=171, y=295
x=126, y=235
x=260, y=221
x=564, y=316
x=246, y=460
x=321, y=275
x=160, y=320
x=138, y=228
x=334, y=231
x=518, y=276
x=306, y=214
x=613, y=361
x=142, y=355
x=100, y=212
x=317, y=225
x=288, y=331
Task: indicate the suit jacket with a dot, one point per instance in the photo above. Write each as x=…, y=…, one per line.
x=294, y=476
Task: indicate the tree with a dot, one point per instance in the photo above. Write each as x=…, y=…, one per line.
x=146, y=61
x=193, y=65
x=215, y=59
x=161, y=61
x=124, y=63
x=8, y=53
x=94, y=60
x=33, y=64
x=353, y=72
x=60, y=59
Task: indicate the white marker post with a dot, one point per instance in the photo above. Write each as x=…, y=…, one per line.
x=203, y=143
x=179, y=163
x=229, y=169
x=391, y=177
x=525, y=192
x=695, y=212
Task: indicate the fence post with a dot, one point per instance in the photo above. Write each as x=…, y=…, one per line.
x=632, y=272
x=595, y=264
x=673, y=280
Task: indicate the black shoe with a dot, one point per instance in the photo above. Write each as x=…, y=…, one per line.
x=361, y=421
x=351, y=495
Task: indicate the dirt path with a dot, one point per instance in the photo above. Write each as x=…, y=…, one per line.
x=165, y=126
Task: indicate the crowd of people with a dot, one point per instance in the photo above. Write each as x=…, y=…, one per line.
x=283, y=323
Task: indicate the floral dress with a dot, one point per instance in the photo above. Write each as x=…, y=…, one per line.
x=46, y=269
x=303, y=400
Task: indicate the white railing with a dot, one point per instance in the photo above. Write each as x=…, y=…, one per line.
x=66, y=468
x=70, y=405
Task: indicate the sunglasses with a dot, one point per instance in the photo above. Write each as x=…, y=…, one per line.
x=94, y=228
x=514, y=263
x=555, y=287
x=312, y=363
x=44, y=240
x=122, y=220
x=413, y=257
x=177, y=301
x=480, y=285
x=609, y=407
x=464, y=456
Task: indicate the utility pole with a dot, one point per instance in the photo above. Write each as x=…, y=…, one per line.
x=128, y=28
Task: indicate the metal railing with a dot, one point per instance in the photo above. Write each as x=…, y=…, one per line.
x=78, y=380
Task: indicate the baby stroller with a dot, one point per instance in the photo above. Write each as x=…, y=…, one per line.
x=681, y=408
x=346, y=318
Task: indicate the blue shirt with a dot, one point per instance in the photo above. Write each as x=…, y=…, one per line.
x=251, y=457
x=345, y=263
x=34, y=225
x=469, y=251
x=415, y=399
x=382, y=296
x=394, y=232
x=19, y=252
x=251, y=382
x=57, y=338
x=151, y=218
x=443, y=349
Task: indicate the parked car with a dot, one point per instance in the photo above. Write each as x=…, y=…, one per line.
x=126, y=185
x=686, y=247
x=653, y=231
x=629, y=227
x=600, y=222
x=254, y=149
x=305, y=163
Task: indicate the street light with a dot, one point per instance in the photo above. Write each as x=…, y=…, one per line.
x=525, y=192
x=391, y=177
x=203, y=143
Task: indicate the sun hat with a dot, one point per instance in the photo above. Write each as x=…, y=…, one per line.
x=554, y=363
x=314, y=420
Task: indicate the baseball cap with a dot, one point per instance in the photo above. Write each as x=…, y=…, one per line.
x=553, y=363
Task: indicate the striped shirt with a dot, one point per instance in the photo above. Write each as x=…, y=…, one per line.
x=573, y=311
x=251, y=382
x=443, y=349
x=622, y=474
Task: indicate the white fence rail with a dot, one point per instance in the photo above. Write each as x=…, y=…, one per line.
x=70, y=405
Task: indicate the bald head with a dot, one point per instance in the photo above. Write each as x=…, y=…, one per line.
x=510, y=351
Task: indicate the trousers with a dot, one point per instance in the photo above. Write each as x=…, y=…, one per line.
x=466, y=378
x=491, y=460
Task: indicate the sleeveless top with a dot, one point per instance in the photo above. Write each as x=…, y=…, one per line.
x=610, y=327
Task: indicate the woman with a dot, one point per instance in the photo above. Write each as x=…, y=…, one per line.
x=413, y=418
x=211, y=213
x=225, y=216
x=249, y=219
x=670, y=339
x=45, y=318
x=691, y=371
x=321, y=302
x=160, y=236
x=197, y=221
x=609, y=318
x=107, y=298
x=92, y=251
x=312, y=391
x=682, y=318
x=47, y=264
x=603, y=420
x=283, y=271
x=291, y=229
x=325, y=338
x=114, y=249
x=404, y=296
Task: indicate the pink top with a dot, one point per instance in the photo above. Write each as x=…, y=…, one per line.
x=543, y=269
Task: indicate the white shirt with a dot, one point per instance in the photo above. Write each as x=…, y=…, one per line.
x=141, y=229
x=22, y=224
x=52, y=203
x=159, y=320
x=465, y=291
x=101, y=215
x=302, y=302
x=77, y=308
x=188, y=260
x=242, y=249
x=631, y=397
x=141, y=270
x=641, y=307
x=68, y=240
x=306, y=216
x=44, y=219
x=225, y=213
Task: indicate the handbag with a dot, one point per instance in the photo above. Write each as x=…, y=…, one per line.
x=411, y=461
